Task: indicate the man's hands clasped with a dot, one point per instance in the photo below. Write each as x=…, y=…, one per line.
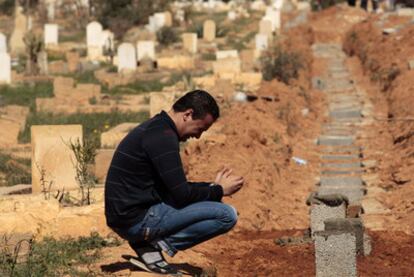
x=230, y=183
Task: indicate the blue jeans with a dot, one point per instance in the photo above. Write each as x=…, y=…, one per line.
x=179, y=229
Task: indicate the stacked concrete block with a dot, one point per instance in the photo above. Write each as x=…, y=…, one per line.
x=320, y=212
x=352, y=225
x=335, y=254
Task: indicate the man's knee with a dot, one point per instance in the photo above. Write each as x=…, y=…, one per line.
x=230, y=216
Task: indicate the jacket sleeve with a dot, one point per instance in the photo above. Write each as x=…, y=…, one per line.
x=162, y=147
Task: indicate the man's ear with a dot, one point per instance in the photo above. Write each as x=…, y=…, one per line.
x=188, y=114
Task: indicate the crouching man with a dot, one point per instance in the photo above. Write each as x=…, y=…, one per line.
x=148, y=200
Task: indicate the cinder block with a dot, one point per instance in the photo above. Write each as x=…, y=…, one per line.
x=335, y=140
x=335, y=254
x=321, y=212
x=353, y=225
x=353, y=193
x=341, y=181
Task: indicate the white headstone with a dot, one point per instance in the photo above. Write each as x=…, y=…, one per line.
x=51, y=34
x=145, y=50
x=126, y=57
x=231, y=15
x=224, y=54
x=190, y=42
x=94, y=34
x=159, y=19
x=3, y=43
x=5, y=68
x=278, y=4
x=261, y=42
x=274, y=16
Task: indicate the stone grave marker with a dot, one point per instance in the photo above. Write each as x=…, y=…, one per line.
x=73, y=60
x=224, y=54
x=5, y=68
x=266, y=27
x=51, y=10
x=231, y=15
x=20, y=27
x=51, y=153
x=42, y=62
x=51, y=34
x=160, y=101
x=168, y=19
x=127, y=60
x=3, y=43
x=145, y=50
x=94, y=40
x=190, y=42
x=274, y=16
x=209, y=30
x=227, y=68
x=261, y=42
x=112, y=137
x=108, y=39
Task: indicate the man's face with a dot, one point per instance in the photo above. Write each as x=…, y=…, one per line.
x=193, y=128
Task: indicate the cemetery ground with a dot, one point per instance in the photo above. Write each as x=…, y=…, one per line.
x=270, y=140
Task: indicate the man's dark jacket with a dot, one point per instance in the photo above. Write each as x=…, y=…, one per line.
x=146, y=169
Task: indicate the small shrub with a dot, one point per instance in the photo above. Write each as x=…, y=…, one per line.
x=85, y=153
x=281, y=65
x=16, y=171
x=167, y=36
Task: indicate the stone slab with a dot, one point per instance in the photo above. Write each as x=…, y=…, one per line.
x=342, y=172
x=341, y=181
x=340, y=157
x=353, y=193
x=411, y=64
x=339, y=114
x=341, y=149
x=51, y=152
x=342, y=165
x=335, y=140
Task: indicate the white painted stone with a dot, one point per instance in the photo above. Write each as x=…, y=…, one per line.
x=190, y=42
x=51, y=34
x=145, y=49
x=3, y=43
x=261, y=42
x=278, y=4
x=223, y=54
x=411, y=64
x=5, y=68
x=405, y=12
x=304, y=6
x=274, y=16
x=126, y=57
x=156, y=22
x=94, y=34
x=266, y=26
x=231, y=15
x=258, y=5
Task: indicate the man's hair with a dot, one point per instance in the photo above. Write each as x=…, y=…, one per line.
x=200, y=101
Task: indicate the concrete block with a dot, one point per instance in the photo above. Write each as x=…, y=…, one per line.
x=335, y=254
x=351, y=113
x=340, y=157
x=321, y=212
x=354, y=165
x=341, y=181
x=353, y=193
x=353, y=225
x=342, y=172
x=341, y=149
x=335, y=140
